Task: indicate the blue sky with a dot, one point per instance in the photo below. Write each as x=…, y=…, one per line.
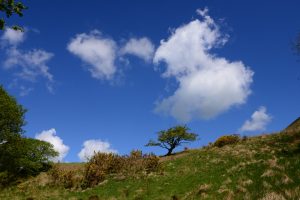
x=108, y=75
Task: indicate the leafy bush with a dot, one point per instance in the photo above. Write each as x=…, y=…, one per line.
x=151, y=163
x=137, y=164
x=102, y=165
x=64, y=178
x=226, y=140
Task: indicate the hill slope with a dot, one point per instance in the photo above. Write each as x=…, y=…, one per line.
x=262, y=167
x=295, y=125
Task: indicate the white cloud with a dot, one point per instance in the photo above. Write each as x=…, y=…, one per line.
x=51, y=137
x=32, y=64
x=92, y=146
x=26, y=65
x=97, y=51
x=258, y=122
x=142, y=48
x=208, y=84
x=13, y=37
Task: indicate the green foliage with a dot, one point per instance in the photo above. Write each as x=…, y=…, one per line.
x=9, y=8
x=226, y=140
x=172, y=138
x=19, y=156
x=11, y=115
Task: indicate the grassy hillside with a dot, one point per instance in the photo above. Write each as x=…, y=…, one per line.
x=262, y=167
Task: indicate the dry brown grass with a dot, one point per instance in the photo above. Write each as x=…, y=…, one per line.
x=268, y=173
x=286, y=180
x=273, y=196
x=267, y=185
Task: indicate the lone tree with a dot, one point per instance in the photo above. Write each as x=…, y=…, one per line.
x=172, y=138
x=9, y=8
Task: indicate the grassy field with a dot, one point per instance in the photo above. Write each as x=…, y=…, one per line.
x=263, y=167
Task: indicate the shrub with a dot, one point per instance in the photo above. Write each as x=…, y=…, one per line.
x=64, y=178
x=245, y=137
x=102, y=165
x=136, y=154
x=151, y=163
x=226, y=140
x=138, y=164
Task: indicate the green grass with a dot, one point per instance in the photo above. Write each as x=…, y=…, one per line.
x=263, y=167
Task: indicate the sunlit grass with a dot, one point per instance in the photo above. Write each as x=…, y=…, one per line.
x=262, y=167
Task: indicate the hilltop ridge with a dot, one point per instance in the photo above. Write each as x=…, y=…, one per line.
x=295, y=125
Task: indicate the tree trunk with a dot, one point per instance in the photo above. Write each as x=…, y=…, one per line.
x=170, y=151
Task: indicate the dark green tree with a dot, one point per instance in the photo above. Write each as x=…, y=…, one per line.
x=19, y=156
x=172, y=138
x=11, y=115
x=9, y=8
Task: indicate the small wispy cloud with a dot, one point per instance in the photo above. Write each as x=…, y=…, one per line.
x=32, y=64
x=140, y=47
x=25, y=65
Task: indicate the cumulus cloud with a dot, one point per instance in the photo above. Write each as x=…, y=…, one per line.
x=97, y=51
x=208, y=85
x=258, y=122
x=92, y=146
x=13, y=37
x=142, y=48
x=51, y=137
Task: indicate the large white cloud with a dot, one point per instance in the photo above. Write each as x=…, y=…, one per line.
x=258, y=122
x=208, y=84
x=90, y=147
x=142, y=48
x=97, y=51
x=58, y=144
x=13, y=37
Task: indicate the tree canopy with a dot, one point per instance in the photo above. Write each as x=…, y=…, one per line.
x=172, y=138
x=19, y=156
x=11, y=115
x=9, y=8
